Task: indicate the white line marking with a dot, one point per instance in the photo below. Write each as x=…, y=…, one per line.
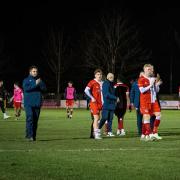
x=90, y=150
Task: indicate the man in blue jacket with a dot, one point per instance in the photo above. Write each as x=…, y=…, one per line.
x=33, y=87
x=109, y=103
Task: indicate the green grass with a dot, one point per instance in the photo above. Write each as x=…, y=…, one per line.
x=63, y=150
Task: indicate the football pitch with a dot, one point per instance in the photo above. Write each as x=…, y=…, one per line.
x=63, y=149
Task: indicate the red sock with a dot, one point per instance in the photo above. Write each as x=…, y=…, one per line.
x=143, y=128
x=156, y=125
x=120, y=124
x=147, y=128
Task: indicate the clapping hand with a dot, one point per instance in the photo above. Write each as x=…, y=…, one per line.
x=38, y=81
x=118, y=100
x=152, y=81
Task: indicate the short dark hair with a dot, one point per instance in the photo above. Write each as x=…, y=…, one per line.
x=33, y=67
x=120, y=78
x=70, y=82
x=17, y=83
x=97, y=71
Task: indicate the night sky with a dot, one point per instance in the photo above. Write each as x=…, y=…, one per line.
x=24, y=30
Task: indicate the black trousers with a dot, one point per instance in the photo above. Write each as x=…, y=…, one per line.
x=2, y=106
x=32, y=116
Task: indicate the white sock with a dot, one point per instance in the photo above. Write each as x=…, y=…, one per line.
x=97, y=131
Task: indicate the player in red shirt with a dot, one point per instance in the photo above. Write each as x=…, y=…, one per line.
x=94, y=91
x=148, y=103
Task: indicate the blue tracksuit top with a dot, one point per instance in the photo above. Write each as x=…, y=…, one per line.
x=32, y=92
x=135, y=94
x=109, y=97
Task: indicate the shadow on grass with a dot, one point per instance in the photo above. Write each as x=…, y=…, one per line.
x=62, y=139
x=129, y=135
x=169, y=133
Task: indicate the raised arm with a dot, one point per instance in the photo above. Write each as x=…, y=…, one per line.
x=144, y=89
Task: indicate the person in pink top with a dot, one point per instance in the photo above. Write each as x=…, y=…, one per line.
x=70, y=96
x=17, y=99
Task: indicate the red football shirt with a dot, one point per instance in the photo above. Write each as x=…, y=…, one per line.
x=146, y=96
x=95, y=88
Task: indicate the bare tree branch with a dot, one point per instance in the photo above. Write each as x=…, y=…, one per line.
x=115, y=46
x=55, y=54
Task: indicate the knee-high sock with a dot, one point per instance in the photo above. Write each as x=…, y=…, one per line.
x=147, y=127
x=120, y=123
x=156, y=124
x=143, y=129
x=71, y=111
x=67, y=110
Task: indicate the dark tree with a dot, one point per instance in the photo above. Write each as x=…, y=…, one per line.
x=115, y=45
x=56, y=54
x=5, y=65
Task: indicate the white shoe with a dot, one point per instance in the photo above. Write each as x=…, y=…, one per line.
x=156, y=136
x=6, y=116
x=110, y=134
x=148, y=138
x=142, y=138
x=152, y=137
x=118, y=131
x=97, y=136
x=122, y=133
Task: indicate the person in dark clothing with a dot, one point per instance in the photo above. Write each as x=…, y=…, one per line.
x=122, y=93
x=109, y=103
x=2, y=100
x=33, y=87
x=135, y=103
